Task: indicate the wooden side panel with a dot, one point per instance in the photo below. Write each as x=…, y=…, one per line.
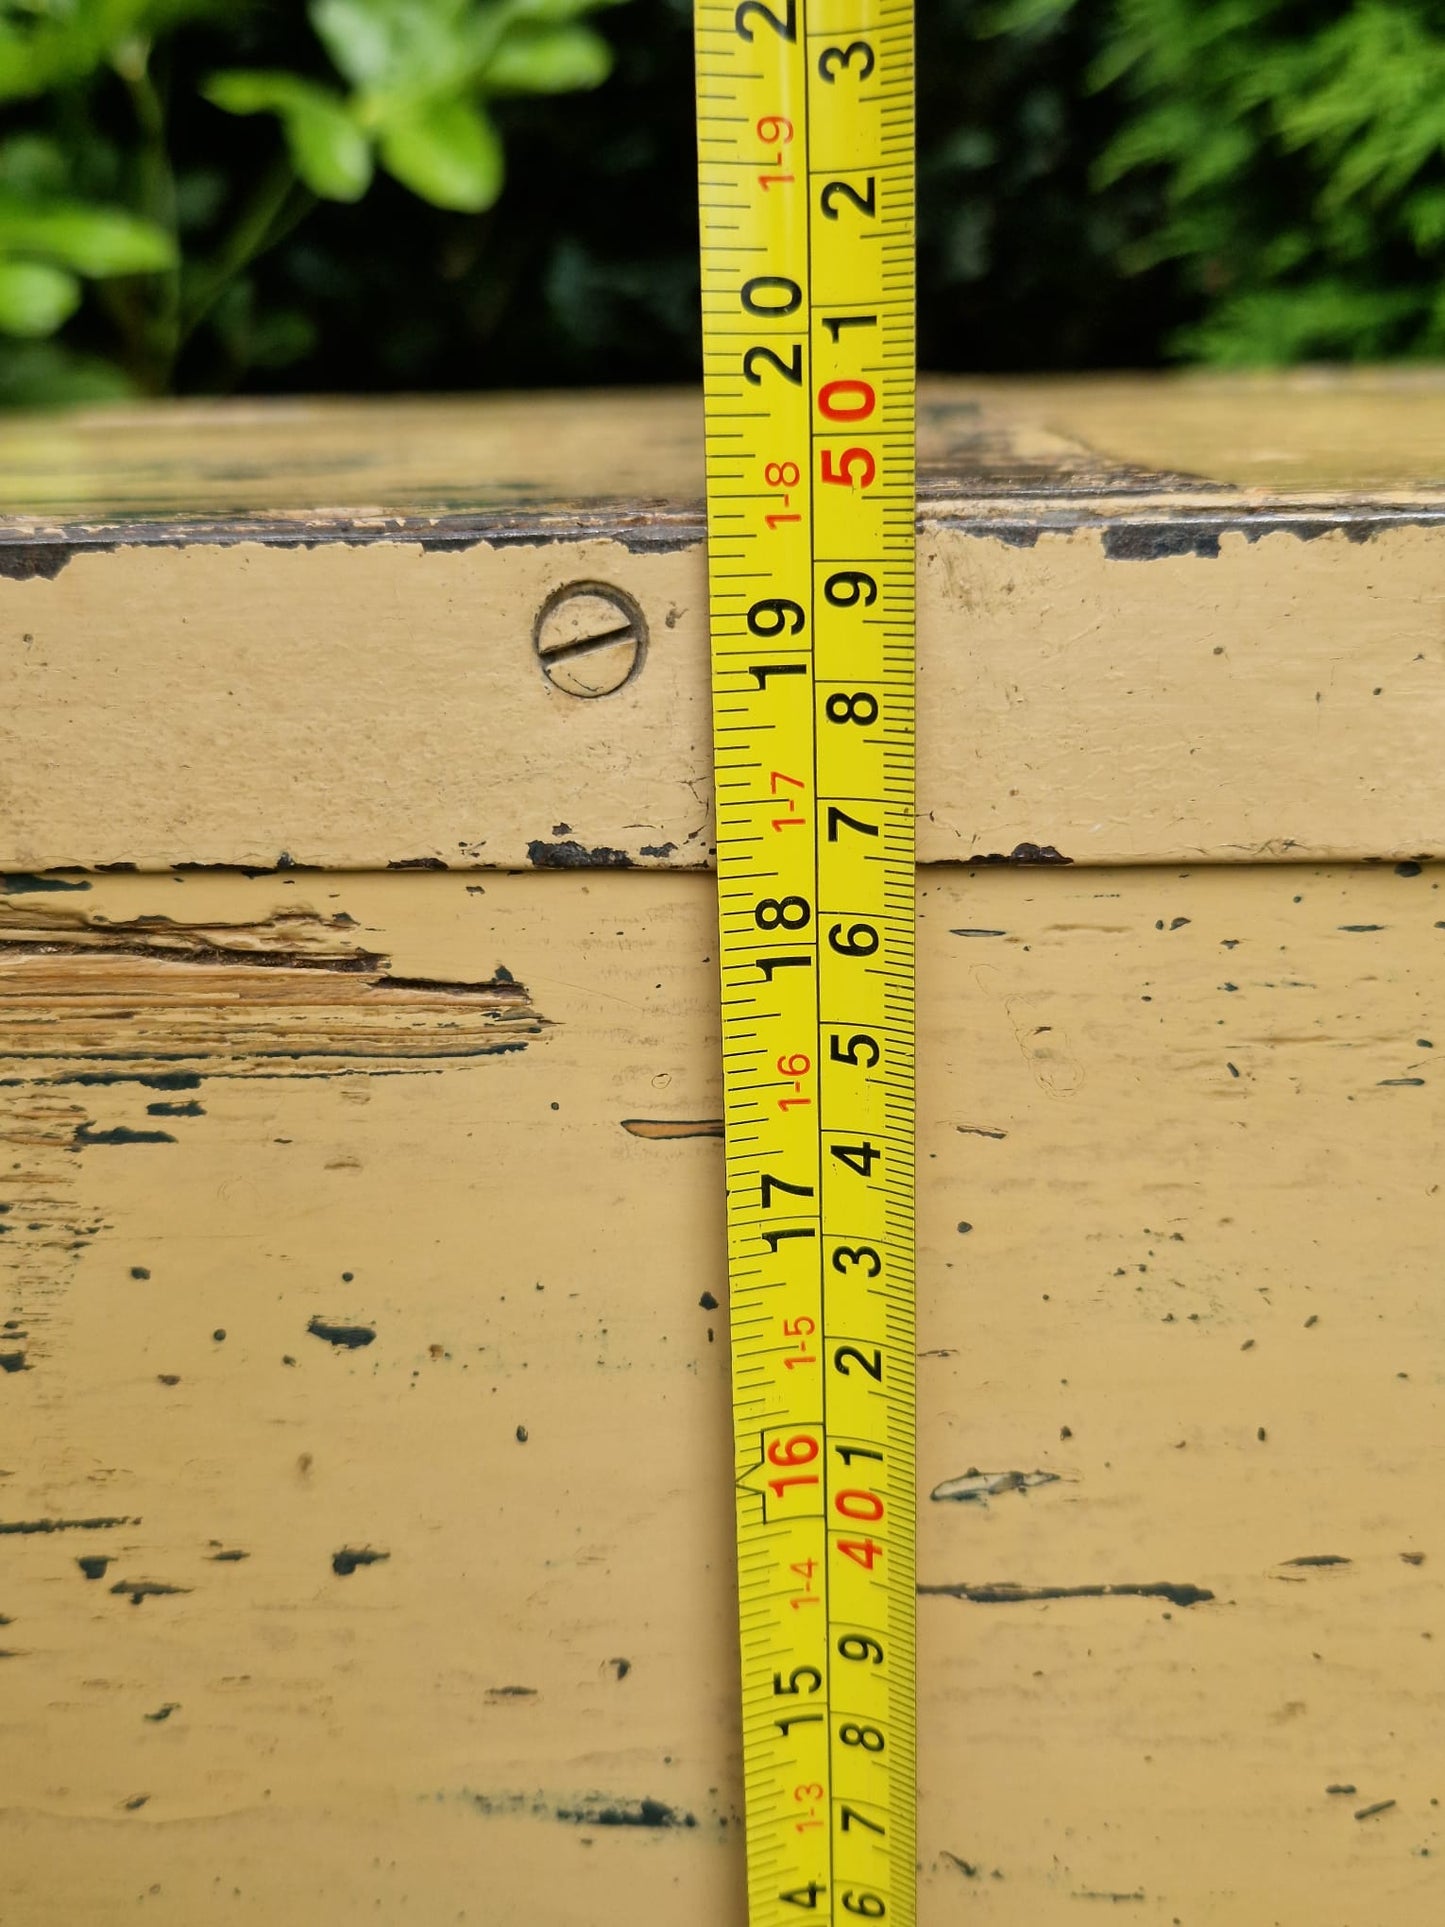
x=1261, y=697
x=363, y=1417
x=1146, y=690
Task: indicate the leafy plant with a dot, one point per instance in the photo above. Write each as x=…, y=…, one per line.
x=47, y=243
x=51, y=237
x=420, y=72
x=98, y=189
x=207, y=194
x=1299, y=152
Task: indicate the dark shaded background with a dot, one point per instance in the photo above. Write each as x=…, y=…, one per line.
x=586, y=271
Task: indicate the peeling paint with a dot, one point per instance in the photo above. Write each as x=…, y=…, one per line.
x=352, y=1558
x=15, y=883
x=344, y=1337
x=571, y=855
x=977, y=1488
x=88, y=1134
x=1009, y=1594
x=1025, y=853
x=596, y=1810
x=27, y=1527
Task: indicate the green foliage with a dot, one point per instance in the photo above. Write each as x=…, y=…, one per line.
x=203, y=195
x=420, y=72
x=50, y=240
x=102, y=185
x=47, y=244
x=1299, y=152
x=49, y=44
x=329, y=150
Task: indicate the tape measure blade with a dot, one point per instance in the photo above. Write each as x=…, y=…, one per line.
x=805, y=138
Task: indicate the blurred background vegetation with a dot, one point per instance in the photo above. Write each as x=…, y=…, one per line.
x=212, y=196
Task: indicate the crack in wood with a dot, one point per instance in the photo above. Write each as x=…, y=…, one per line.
x=1004, y=1593
x=27, y=1527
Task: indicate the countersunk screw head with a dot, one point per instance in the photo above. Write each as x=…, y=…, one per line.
x=590, y=638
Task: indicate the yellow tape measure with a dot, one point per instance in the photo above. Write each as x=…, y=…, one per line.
x=805, y=127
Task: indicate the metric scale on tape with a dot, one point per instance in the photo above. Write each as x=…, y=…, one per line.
x=806, y=163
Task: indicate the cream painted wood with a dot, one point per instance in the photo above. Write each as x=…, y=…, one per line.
x=1180, y=1206
x=236, y=634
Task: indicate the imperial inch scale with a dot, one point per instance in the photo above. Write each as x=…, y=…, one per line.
x=806, y=146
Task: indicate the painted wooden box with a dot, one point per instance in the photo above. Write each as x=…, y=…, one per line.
x=364, y=1511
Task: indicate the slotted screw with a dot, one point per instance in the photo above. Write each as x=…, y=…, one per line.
x=590, y=638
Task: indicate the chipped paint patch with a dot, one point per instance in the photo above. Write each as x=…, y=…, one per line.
x=25, y=1528
x=571, y=855
x=138, y=1589
x=86, y=1135
x=590, y=1810
x=1006, y=1593
x=977, y=1488
x=351, y=1559
x=1023, y=854
x=344, y=1337
x=20, y=883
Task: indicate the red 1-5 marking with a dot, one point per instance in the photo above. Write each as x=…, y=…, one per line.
x=801, y=1329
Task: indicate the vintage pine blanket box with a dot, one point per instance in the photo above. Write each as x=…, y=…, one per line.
x=365, y=1522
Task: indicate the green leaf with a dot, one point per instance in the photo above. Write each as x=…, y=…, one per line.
x=358, y=36
x=91, y=240
x=48, y=55
x=330, y=152
x=1423, y=217
x=332, y=155
x=35, y=297
x=413, y=49
x=1328, y=318
x=446, y=151
x=45, y=374
x=33, y=165
x=548, y=60
x=45, y=46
